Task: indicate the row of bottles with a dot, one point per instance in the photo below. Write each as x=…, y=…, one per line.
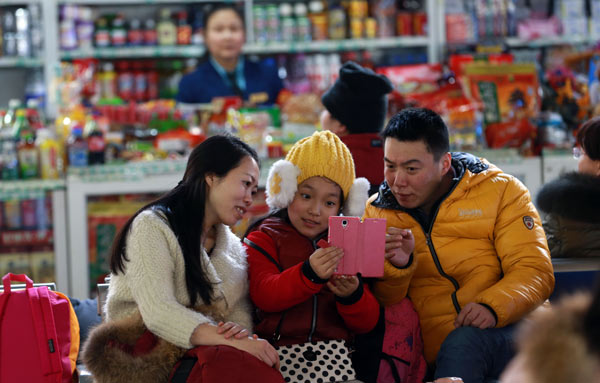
x=80, y=28
x=29, y=150
x=21, y=32
x=337, y=19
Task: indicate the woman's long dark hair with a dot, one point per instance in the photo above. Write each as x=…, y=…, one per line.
x=184, y=205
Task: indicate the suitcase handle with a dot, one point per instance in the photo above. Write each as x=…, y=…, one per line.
x=17, y=278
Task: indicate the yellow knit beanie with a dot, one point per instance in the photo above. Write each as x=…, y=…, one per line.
x=322, y=154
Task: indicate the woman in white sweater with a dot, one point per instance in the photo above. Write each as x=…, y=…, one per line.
x=179, y=277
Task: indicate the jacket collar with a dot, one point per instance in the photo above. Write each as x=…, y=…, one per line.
x=461, y=162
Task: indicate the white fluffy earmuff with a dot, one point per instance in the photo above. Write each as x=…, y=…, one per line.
x=354, y=206
x=282, y=184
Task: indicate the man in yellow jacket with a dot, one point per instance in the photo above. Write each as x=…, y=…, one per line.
x=480, y=260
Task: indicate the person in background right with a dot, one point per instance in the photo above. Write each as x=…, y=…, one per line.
x=572, y=223
x=355, y=110
x=559, y=345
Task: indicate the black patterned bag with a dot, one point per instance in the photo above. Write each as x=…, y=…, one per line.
x=316, y=362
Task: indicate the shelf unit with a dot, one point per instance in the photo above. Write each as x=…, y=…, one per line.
x=24, y=189
x=21, y=62
x=50, y=60
x=78, y=190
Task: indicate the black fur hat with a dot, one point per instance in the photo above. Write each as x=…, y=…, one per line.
x=358, y=99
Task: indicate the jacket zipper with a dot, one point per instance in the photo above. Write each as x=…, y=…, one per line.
x=434, y=255
x=313, y=325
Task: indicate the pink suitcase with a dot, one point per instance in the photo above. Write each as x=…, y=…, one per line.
x=363, y=244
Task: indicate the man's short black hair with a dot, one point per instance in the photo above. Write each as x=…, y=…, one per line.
x=420, y=124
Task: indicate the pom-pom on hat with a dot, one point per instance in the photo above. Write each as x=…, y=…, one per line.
x=358, y=98
x=322, y=154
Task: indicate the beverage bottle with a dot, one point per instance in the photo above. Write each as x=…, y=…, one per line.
x=150, y=33
x=28, y=216
x=10, y=160
x=77, y=148
x=35, y=115
x=152, y=79
x=11, y=113
x=28, y=155
x=36, y=31
x=35, y=88
x=95, y=142
x=22, y=35
x=21, y=126
x=124, y=81
x=108, y=81
x=184, y=30
x=12, y=214
x=318, y=20
x=166, y=28
x=50, y=152
x=337, y=21
x=9, y=41
x=135, y=34
x=140, y=82
x=101, y=33
x=175, y=78
x=118, y=33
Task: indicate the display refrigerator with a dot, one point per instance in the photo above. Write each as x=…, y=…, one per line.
x=33, y=230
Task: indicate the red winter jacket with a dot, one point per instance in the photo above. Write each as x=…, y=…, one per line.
x=367, y=152
x=309, y=306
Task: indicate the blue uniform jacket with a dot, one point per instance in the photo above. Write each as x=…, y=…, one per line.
x=205, y=83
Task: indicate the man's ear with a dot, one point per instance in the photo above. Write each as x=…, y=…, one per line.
x=597, y=164
x=446, y=161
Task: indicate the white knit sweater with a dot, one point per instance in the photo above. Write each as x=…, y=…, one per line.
x=154, y=282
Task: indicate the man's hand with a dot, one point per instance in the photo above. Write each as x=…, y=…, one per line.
x=343, y=285
x=324, y=261
x=399, y=244
x=475, y=315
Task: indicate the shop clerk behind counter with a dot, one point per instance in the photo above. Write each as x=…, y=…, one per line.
x=225, y=72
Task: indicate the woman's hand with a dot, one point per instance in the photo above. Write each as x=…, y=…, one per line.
x=324, y=261
x=399, y=244
x=231, y=329
x=207, y=334
x=260, y=348
x=343, y=285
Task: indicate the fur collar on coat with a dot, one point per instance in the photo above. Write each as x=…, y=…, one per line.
x=573, y=195
x=111, y=354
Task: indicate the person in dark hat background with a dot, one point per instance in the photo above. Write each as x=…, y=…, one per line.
x=355, y=110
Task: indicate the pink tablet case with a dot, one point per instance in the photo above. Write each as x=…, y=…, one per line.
x=363, y=244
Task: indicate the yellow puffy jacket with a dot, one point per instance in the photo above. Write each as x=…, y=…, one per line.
x=485, y=245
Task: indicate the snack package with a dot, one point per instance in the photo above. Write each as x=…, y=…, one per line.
x=507, y=91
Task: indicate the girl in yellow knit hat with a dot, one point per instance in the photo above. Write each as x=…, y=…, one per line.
x=291, y=279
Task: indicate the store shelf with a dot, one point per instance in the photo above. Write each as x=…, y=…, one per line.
x=134, y=52
x=129, y=2
x=337, y=45
x=16, y=238
x=28, y=189
x=20, y=62
x=575, y=264
x=19, y=2
x=514, y=42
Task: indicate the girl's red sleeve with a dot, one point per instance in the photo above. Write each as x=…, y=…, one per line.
x=362, y=315
x=270, y=289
